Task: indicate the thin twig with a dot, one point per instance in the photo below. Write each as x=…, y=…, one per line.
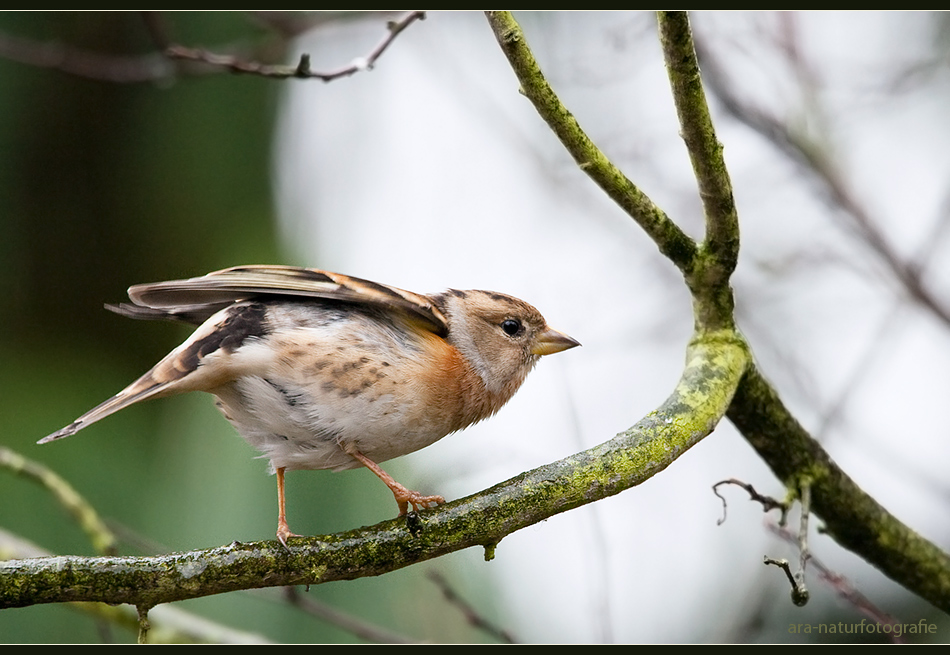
x=302, y=69
x=355, y=626
x=805, y=501
x=785, y=566
x=102, y=538
x=156, y=66
x=143, y=623
x=839, y=583
x=800, y=593
x=473, y=617
x=768, y=503
x=797, y=580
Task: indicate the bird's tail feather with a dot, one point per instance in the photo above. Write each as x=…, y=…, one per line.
x=145, y=387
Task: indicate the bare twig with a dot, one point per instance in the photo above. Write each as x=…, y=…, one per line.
x=144, y=625
x=156, y=66
x=768, y=503
x=839, y=583
x=302, y=69
x=797, y=580
x=358, y=627
x=800, y=593
x=804, y=495
x=797, y=597
x=102, y=538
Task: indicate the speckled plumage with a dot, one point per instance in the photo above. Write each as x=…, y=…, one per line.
x=318, y=370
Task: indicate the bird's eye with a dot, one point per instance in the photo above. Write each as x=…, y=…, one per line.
x=512, y=327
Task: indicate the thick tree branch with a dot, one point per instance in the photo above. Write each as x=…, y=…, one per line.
x=170, y=624
x=852, y=517
x=715, y=363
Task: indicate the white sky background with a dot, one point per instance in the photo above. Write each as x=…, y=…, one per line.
x=431, y=171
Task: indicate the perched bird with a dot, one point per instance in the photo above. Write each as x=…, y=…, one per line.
x=318, y=370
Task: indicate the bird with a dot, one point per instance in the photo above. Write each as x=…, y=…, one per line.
x=320, y=370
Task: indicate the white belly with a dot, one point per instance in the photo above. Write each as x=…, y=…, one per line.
x=297, y=429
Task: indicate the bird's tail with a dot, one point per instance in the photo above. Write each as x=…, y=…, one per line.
x=145, y=387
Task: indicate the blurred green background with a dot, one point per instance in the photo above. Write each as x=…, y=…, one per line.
x=103, y=185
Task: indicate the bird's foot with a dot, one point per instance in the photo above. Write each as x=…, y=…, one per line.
x=284, y=533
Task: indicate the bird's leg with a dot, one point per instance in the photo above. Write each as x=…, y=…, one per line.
x=404, y=497
x=283, y=530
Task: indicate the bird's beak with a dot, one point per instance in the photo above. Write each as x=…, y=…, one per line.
x=551, y=341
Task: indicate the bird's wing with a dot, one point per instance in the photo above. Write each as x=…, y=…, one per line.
x=196, y=299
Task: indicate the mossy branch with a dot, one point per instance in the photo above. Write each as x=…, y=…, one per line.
x=672, y=241
x=699, y=134
x=715, y=363
x=852, y=517
x=709, y=277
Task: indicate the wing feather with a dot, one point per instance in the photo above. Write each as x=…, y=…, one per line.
x=197, y=298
